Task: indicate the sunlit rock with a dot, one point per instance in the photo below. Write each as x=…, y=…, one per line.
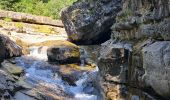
x=12, y=68
x=64, y=52
x=29, y=18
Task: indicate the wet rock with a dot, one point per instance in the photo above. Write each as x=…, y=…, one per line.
x=64, y=53
x=156, y=62
x=70, y=79
x=22, y=96
x=88, y=21
x=23, y=83
x=12, y=68
x=8, y=86
x=47, y=91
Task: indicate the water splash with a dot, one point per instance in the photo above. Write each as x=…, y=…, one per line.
x=39, y=71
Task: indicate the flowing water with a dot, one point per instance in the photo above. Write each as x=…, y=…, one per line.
x=38, y=72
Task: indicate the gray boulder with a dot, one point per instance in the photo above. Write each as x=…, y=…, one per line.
x=63, y=53
x=8, y=48
x=156, y=62
x=88, y=21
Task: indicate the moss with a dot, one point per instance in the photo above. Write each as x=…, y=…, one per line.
x=7, y=19
x=75, y=53
x=19, y=25
x=56, y=43
x=79, y=68
x=44, y=29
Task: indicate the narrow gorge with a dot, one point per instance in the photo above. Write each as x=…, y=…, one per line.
x=99, y=50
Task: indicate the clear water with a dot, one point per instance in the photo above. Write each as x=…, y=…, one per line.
x=38, y=71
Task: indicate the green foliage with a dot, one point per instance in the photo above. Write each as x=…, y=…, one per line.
x=50, y=8
x=7, y=4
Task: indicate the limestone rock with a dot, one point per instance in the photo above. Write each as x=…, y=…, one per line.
x=88, y=21
x=64, y=52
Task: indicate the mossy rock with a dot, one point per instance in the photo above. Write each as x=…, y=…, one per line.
x=62, y=52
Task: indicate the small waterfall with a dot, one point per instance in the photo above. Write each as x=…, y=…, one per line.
x=39, y=52
x=40, y=72
x=83, y=56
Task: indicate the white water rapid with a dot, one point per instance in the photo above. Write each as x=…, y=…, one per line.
x=39, y=72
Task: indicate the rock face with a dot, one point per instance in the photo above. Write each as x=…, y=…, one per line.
x=145, y=24
x=64, y=53
x=28, y=18
x=113, y=66
x=88, y=21
x=113, y=60
x=8, y=48
x=156, y=62
x=143, y=18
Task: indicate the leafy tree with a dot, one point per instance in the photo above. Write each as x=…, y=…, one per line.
x=7, y=4
x=49, y=8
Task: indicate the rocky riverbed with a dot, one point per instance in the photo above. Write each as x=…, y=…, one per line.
x=121, y=52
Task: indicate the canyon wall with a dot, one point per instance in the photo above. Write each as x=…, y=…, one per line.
x=143, y=29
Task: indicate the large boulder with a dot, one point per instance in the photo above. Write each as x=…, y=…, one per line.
x=156, y=62
x=89, y=21
x=2, y=50
x=64, y=52
x=8, y=48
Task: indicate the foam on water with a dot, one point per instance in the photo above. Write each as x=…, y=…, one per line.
x=36, y=75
